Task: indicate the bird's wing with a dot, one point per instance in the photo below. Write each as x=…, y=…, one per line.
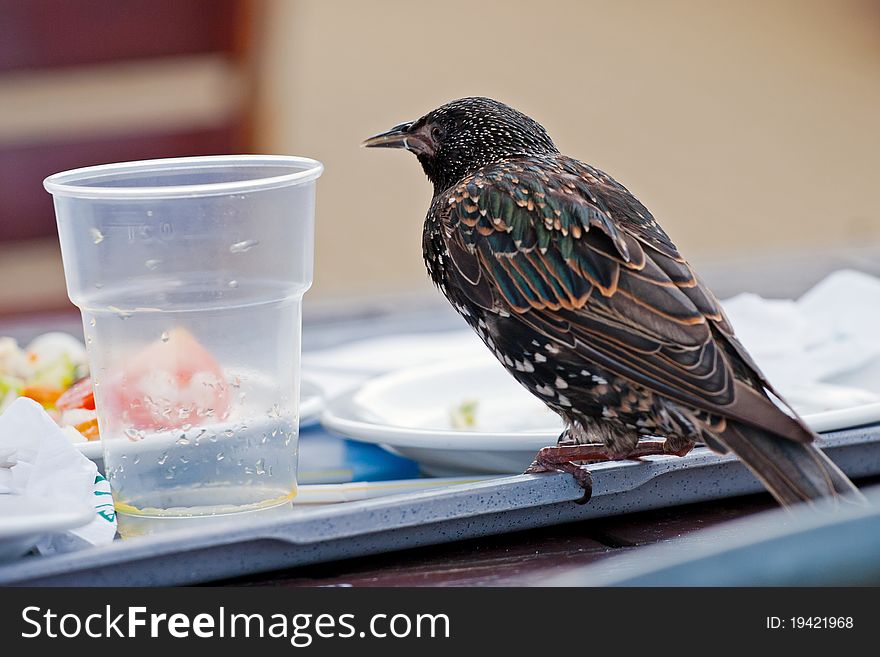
x=574, y=255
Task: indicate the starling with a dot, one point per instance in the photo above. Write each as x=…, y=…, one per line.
x=573, y=285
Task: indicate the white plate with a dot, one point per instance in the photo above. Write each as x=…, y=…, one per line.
x=311, y=403
x=23, y=521
x=91, y=449
x=410, y=412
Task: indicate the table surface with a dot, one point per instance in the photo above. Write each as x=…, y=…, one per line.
x=520, y=558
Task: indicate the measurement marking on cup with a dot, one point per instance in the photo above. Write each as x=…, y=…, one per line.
x=164, y=232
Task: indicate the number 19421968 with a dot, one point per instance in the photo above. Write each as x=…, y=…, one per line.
x=810, y=623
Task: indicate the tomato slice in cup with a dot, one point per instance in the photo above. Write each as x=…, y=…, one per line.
x=172, y=383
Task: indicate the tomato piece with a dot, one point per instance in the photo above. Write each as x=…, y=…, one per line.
x=79, y=395
x=171, y=383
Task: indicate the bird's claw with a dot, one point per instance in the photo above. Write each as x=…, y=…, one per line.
x=585, y=480
x=581, y=475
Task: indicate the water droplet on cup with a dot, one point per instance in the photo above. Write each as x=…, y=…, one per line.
x=163, y=458
x=133, y=434
x=164, y=337
x=261, y=467
x=274, y=412
x=92, y=322
x=241, y=247
x=183, y=440
x=220, y=456
x=229, y=433
x=233, y=284
x=152, y=264
x=149, y=213
x=97, y=235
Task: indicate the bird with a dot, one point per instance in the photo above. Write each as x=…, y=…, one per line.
x=573, y=285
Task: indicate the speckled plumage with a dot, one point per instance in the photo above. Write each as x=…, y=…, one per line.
x=573, y=285
x=537, y=276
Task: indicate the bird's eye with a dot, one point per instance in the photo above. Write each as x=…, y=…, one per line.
x=436, y=133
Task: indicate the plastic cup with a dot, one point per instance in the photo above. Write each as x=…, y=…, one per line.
x=189, y=274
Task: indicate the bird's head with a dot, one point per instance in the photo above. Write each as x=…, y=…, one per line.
x=465, y=135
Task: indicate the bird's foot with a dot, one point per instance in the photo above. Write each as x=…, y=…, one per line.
x=548, y=460
x=568, y=458
x=657, y=447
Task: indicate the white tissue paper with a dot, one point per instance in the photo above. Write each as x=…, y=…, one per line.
x=37, y=460
x=822, y=351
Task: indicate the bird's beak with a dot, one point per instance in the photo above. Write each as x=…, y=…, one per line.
x=397, y=137
x=418, y=140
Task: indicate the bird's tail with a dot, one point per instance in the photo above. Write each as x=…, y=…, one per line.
x=792, y=471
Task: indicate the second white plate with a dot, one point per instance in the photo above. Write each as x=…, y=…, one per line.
x=411, y=412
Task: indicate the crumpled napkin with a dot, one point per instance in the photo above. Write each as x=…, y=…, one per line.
x=821, y=351
x=38, y=460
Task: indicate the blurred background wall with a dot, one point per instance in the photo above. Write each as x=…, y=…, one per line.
x=93, y=81
x=749, y=128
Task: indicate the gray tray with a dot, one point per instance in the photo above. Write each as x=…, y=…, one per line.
x=303, y=536
x=792, y=547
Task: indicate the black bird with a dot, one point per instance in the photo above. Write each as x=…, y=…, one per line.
x=573, y=285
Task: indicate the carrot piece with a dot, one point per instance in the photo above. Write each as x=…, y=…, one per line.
x=42, y=394
x=89, y=429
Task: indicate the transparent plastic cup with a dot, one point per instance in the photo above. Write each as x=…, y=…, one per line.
x=190, y=274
